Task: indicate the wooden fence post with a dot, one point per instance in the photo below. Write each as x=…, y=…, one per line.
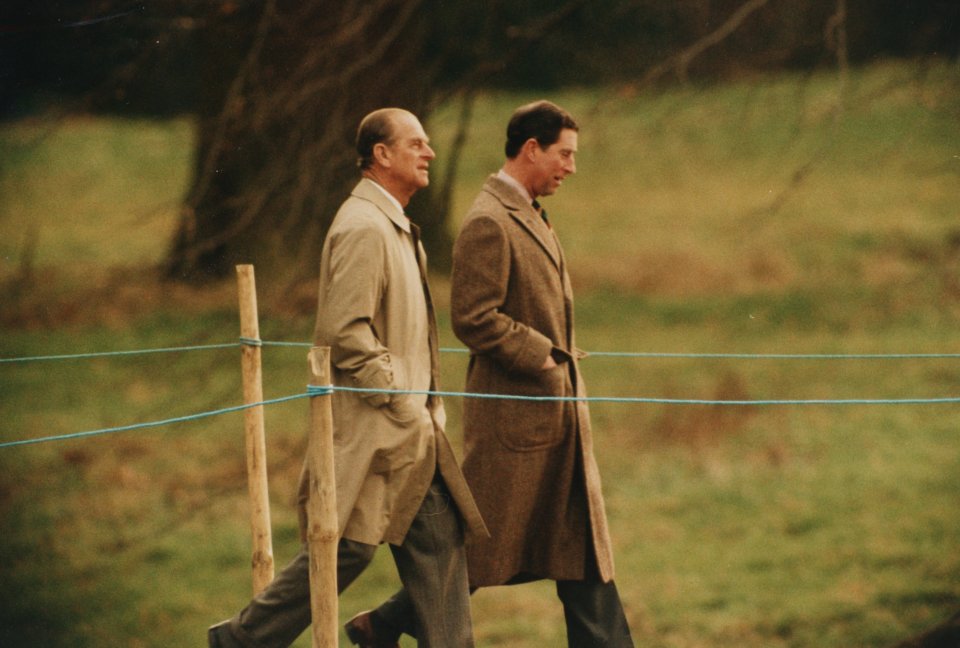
x=322, y=528
x=262, y=559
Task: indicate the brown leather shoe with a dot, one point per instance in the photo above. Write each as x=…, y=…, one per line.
x=360, y=630
x=218, y=636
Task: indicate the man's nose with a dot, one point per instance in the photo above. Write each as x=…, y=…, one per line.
x=428, y=152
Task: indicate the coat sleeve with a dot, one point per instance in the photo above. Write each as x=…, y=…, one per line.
x=354, y=289
x=480, y=279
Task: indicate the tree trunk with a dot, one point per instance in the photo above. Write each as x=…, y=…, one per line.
x=285, y=89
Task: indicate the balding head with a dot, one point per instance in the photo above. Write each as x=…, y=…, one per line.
x=377, y=127
x=394, y=151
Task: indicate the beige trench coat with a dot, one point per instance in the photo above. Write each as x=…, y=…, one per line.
x=529, y=464
x=375, y=313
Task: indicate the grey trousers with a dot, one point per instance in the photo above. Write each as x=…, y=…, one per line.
x=592, y=610
x=432, y=566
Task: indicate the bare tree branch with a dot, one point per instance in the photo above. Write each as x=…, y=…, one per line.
x=681, y=61
x=835, y=34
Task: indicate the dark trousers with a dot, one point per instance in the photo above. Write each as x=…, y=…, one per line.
x=592, y=610
x=594, y=614
x=432, y=567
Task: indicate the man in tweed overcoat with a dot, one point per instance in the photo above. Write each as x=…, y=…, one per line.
x=530, y=464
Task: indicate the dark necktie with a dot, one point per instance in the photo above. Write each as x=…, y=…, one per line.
x=542, y=212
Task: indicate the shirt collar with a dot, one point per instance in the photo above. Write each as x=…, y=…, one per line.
x=394, y=201
x=513, y=182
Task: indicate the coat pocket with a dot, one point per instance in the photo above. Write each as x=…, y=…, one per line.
x=402, y=410
x=531, y=423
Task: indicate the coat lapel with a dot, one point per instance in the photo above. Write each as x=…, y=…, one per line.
x=431, y=313
x=528, y=218
x=367, y=190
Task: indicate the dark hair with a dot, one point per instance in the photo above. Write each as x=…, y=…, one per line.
x=375, y=128
x=541, y=120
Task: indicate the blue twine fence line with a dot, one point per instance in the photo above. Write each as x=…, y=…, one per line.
x=103, y=354
x=151, y=424
x=315, y=390
x=321, y=391
x=748, y=356
x=243, y=341
x=777, y=356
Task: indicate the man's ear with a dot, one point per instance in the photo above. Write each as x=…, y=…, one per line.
x=381, y=153
x=530, y=148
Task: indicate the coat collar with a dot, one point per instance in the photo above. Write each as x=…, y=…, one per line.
x=370, y=191
x=523, y=212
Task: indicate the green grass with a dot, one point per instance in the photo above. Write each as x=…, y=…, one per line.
x=91, y=191
x=738, y=218
x=674, y=193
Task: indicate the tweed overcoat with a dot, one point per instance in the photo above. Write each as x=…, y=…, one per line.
x=375, y=313
x=530, y=464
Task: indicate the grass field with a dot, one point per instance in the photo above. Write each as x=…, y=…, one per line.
x=752, y=217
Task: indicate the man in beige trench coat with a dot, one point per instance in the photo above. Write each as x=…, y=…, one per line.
x=397, y=478
x=530, y=464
